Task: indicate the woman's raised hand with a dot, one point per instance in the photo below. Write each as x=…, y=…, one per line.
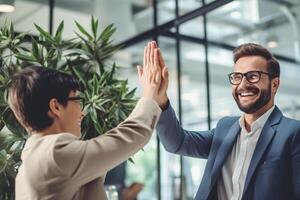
x=150, y=75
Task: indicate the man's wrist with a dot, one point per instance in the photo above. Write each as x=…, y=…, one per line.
x=164, y=105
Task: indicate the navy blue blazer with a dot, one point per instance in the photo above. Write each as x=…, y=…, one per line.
x=274, y=171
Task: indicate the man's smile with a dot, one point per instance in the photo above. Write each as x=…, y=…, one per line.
x=246, y=95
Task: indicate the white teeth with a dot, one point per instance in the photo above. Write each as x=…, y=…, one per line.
x=244, y=94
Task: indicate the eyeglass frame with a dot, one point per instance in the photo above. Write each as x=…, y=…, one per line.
x=245, y=75
x=81, y=100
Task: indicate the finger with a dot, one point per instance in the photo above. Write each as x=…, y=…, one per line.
x=156, y=57
x=152, y=53
x=148, y=52
x=154, y=43
x=165, y=75
x=161, y=60
x=157, y=78
x=164, y=80
x=165, y=72
x=140, y=72
x=145, y=56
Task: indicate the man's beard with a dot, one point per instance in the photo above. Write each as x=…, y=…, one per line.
x=264, y=98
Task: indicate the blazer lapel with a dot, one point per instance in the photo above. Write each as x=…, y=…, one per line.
x=224, y=150
x=265, y=138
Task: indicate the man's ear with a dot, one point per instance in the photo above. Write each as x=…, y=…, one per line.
x=55, y=108
x=275, y=84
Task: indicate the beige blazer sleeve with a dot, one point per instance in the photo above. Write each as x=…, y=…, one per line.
x=83, y=161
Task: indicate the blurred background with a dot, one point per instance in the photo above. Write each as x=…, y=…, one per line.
x=197, y=38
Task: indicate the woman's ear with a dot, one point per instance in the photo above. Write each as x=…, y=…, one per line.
x=55, y=108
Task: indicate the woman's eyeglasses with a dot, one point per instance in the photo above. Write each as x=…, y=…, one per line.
x=79, y=100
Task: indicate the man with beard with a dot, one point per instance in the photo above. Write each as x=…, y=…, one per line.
x=254, y=156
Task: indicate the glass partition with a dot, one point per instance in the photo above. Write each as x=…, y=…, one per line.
x=131, y=17
x=265, y=22
x=26, y=14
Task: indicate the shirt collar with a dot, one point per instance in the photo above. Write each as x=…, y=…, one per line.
x=259, y=123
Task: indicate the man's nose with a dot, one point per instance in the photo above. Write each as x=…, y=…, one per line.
x=244, y=81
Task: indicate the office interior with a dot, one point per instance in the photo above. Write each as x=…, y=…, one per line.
x=196, y=38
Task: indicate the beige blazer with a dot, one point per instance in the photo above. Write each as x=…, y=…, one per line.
x=62, y=167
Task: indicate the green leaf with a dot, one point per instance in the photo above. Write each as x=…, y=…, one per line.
x=59, y=31
x=93, y=114
x=21, y=36
x=61, y=64
x=130, y=94
x=112, y=72
x=94, y=26
x=121, y=114
x=74, y=52
x=25, y=57
x=98, y=128
x=107, y=33
x=35, y=49
x=44, y=33
x=103, y=101
x=87, y=44
x=12, y=32
x=100, y=108
x=82, y=30
x=13, y=125
x=3, y=142
x=95, y=84
x=77, y=74
x=4, y=43
x=2, y=79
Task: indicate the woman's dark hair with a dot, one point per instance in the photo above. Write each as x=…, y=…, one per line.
x=32, y=89
x=251, y=49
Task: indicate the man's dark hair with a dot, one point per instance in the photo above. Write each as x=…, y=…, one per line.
x=32, y=89
x=251, y=49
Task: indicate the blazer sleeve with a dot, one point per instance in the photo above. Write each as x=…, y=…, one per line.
x=84, y=161
x=177, y=140
x=296, y=165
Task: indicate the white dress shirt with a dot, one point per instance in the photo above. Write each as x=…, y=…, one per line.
x=231, y=183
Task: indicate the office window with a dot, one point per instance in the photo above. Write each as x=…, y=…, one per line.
x=131, y=17
x=265, y=22
x=144, y=168
x=194, y=109
x=26, y=14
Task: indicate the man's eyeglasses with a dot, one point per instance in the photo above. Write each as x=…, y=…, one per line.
x=235, y=78
x=79, y=100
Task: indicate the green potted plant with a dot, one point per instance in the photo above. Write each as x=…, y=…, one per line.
x=108, y=99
